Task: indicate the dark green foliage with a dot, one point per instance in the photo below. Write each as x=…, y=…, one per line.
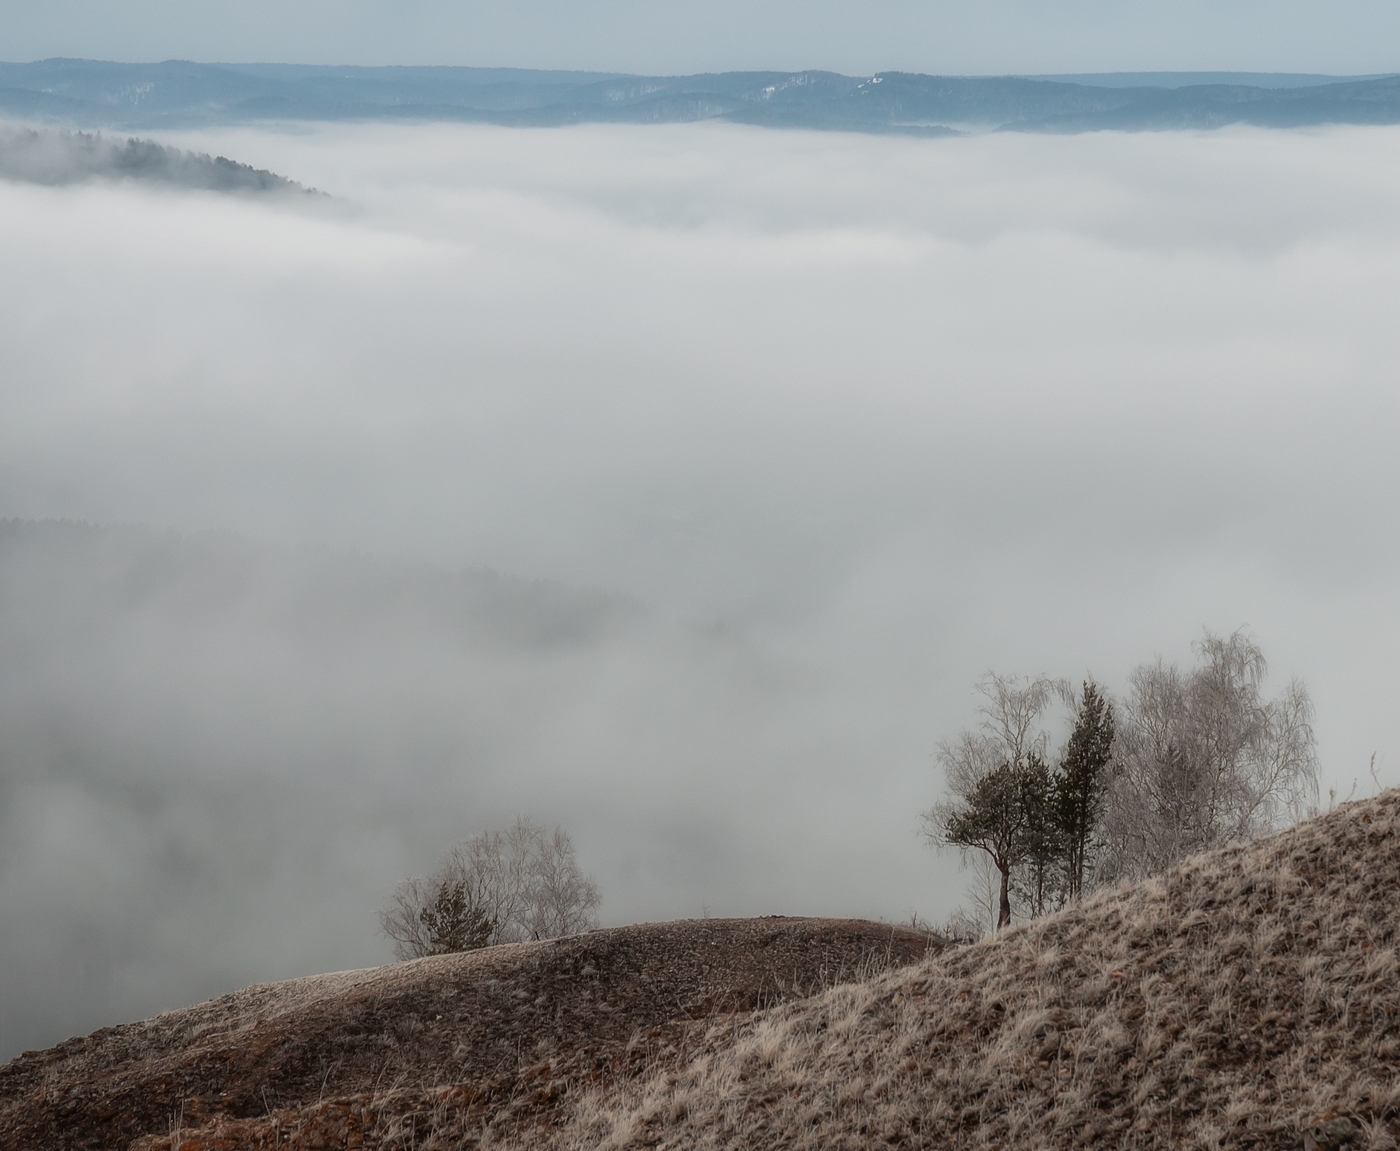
x=1039, y=825
x=1081, y=782
x=993, y=818
x=1043, y=842
x=453, y=923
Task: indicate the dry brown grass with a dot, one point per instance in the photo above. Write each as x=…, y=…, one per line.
x=429, y=1054
x=1249, y=998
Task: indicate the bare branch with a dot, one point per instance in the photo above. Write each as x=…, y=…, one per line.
x=497, y=887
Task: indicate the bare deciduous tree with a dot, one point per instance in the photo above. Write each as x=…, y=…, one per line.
x=970, y=921
x=1203, y=759
x=1011, y=730
x=1013, y=708
x=563, y=899
x=442, y=913
x=497, y=887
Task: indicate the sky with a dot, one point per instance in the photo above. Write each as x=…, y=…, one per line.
x=834, y=423
x=658, y=36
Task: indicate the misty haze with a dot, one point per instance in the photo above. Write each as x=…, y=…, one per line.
x=674, y=484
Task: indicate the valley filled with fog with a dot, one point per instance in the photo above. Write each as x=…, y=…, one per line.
x=671, y=483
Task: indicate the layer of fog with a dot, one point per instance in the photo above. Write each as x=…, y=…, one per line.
x=846, y=421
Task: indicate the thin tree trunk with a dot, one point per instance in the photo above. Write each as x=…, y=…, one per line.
x=1004, y=912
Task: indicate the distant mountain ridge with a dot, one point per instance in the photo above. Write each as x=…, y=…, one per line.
x=177, y=93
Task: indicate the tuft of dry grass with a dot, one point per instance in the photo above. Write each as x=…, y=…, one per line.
x=1249, y=998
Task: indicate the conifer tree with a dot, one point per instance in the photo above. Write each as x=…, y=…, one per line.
x=1081, y=783
x=1000, y=789
x=992, y=818
x=452, y=922
x=1040, y=873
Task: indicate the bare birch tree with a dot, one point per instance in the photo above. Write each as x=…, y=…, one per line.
x=497, y=887
x=1203, y=759
x=1013, y=709
x=563, y=899
x=438, y=914
x=977, y=915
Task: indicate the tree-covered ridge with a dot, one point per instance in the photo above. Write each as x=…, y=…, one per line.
x=93, y=93
x=57, y=157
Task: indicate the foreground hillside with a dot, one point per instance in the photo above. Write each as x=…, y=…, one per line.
x=499, y=1041
x=1250, y=998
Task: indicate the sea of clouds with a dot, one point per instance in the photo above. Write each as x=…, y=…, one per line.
x=841, y=422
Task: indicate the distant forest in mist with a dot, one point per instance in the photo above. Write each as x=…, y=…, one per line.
x=58, y=157
x=179, y=93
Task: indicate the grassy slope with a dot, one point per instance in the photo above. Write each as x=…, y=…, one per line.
x=1250, y=998
x=504, y=1039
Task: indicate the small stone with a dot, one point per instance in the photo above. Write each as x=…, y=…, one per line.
x=1328, y=1134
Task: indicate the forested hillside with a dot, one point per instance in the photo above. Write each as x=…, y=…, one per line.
x=181, y=92
x=56, y=157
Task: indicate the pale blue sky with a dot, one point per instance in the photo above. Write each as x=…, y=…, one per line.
x=999, y=36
